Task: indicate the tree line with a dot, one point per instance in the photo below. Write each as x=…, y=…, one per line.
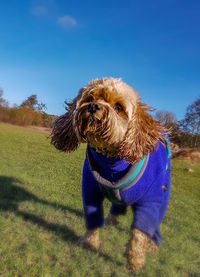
x=29, y=112
x=184, y=133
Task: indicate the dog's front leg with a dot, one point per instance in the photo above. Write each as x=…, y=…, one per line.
x=91, y=239
x=136, y=251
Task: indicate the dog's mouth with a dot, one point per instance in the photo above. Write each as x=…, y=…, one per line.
x=94, y=119
x=90, y=125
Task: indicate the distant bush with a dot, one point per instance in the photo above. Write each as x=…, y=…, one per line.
x=24, y=116
x=30, y=112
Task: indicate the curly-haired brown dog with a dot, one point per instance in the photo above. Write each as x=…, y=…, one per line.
x=127, y=161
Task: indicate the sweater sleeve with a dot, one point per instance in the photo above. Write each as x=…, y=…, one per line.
x=92, y=200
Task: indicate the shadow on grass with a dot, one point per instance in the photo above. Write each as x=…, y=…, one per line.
x=10, y=197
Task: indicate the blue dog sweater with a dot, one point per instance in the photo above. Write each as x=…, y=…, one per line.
x=148, y=197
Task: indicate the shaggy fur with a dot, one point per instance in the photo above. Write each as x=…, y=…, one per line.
x=109, y=116
x=136, y=251
x=128, y=133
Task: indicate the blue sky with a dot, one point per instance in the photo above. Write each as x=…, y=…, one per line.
x=54, y=47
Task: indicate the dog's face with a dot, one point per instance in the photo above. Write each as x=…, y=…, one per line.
x=103, y=113
x=108, y=115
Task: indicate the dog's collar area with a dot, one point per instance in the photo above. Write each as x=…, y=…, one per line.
x=112, y=189
x=169, y=151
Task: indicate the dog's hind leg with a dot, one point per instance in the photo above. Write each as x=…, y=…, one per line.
x=112, y=219
x=152, y=247
x=115, y=211
x=136, y=251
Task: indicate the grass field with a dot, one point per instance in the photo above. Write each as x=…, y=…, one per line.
x=41, y=216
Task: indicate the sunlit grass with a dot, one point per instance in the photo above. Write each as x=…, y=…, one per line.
x=42, y=219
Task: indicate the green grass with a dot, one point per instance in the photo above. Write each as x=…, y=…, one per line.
x=42, y=219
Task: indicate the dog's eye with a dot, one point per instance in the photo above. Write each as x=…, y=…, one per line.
x=90, y=99
x=118, y=107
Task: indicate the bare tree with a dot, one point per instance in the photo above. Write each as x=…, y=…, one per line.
x=170, y=122
x=32, y=103
x=166, y=118
x=3, y=102
x=191, y=123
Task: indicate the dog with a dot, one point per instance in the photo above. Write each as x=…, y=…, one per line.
x=127, y=161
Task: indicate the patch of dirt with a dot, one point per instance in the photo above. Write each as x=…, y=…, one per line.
x=190, y=154
x=43, y=129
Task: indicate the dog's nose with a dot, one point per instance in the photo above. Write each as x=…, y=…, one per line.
x=93, y=107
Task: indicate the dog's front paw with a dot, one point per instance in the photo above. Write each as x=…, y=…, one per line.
x=90, y=240
x=136, y=251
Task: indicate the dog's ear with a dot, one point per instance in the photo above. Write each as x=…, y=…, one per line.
x=63, y=135
x=142, y=136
